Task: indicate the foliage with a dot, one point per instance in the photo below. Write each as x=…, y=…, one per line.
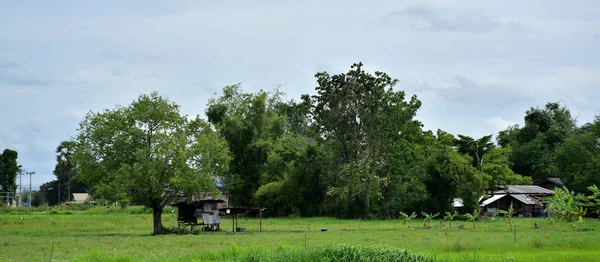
x=595, y=197
x=8, y=170
x=250, y=123
x=335, y=253
x=406, y=218
x=472, y=217
x=450, y=216
x=578, y=157
x=428, y=218
x=509, y=213
x=566, y=204
x=534, y=145
x=148, y=153
x=359, y=116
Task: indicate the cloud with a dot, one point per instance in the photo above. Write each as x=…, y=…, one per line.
x=8, y=65
x=499, y=123
x=133, y=57
x=22, y=79
x=118, y=72
x=467, y=91
x=423, y=18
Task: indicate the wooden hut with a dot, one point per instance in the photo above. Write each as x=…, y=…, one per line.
x=526, y=200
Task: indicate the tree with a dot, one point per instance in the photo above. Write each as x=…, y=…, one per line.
x=566, y=203
x=472, y=217
x=150, y=154
x=360, y=116
x=450, y=216
x=65, y=164
x=509, y=213
x=476, y=148
x=534, y=145
x=250, y=123
x=578, y=157
x=406, y=218
x=8, y=171
x=427, y=219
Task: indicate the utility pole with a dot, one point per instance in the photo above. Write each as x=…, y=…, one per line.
x=20, y=188
x=29, y=203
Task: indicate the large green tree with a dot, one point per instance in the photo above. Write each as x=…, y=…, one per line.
x=8, y=171
x=359, y=117
x=534, y=145
x=250, y=123
x=148, y=153
x=578, y=158
x=66, y=167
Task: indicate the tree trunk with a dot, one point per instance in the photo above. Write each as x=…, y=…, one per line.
x=157, y=213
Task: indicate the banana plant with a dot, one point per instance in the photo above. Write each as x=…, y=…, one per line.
x=406, y=218
x=428, y=218
x=508, y=214
x=580, y=213
x=449, y=216
x=472, y=217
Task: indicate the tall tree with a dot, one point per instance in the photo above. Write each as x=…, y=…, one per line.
x=578, y=158
x=8, y=170
x=476, y=148
x=149, y=153
x=359, y=115
x=250, y=123
x=65, y=164
x=534, y=145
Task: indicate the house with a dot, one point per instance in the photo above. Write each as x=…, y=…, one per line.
x=525, y=199
x=551, y=183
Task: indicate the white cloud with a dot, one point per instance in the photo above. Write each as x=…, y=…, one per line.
x=499, y=123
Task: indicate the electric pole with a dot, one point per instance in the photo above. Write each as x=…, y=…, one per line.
x=30, y=173
x=20, y=188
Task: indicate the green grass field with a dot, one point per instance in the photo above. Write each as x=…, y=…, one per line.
x=125, y=235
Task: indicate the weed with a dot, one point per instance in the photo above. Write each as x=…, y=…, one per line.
x=537, y=243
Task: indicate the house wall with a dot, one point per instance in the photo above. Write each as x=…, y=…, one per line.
x=518, y=206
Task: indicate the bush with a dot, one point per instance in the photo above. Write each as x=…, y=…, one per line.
x=332, y=253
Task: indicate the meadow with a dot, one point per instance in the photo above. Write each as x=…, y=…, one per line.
x=116, y=234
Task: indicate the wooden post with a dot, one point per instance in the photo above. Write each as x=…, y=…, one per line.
x=232, y=220
x=260, y=220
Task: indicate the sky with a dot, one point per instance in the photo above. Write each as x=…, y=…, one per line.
x=477, y=66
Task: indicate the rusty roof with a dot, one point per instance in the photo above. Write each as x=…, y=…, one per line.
x=529, y=190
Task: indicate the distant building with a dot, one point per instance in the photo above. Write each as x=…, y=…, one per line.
x=551, y=183
x=526, y=200
x=80, y=198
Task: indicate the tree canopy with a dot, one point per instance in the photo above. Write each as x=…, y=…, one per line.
x=8, y=170
x=149, y=153
x=354, y=148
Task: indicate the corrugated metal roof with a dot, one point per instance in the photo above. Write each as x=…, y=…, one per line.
x=80, y=197
x=526, y=200
x=529, y=190
x=492, y=199
x=555, y=180
x=458, y=202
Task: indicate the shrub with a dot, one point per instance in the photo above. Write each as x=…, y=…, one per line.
x=333, y=253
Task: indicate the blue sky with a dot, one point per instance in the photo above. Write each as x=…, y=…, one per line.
x=477, y=66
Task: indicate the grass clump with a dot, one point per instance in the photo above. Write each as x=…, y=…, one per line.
x=334, y=253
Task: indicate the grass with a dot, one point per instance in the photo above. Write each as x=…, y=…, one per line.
x=116, y=234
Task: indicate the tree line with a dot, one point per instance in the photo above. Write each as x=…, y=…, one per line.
x=352, y=149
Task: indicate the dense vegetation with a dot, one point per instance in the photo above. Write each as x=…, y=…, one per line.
x=352, y=149
x=355, y=149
